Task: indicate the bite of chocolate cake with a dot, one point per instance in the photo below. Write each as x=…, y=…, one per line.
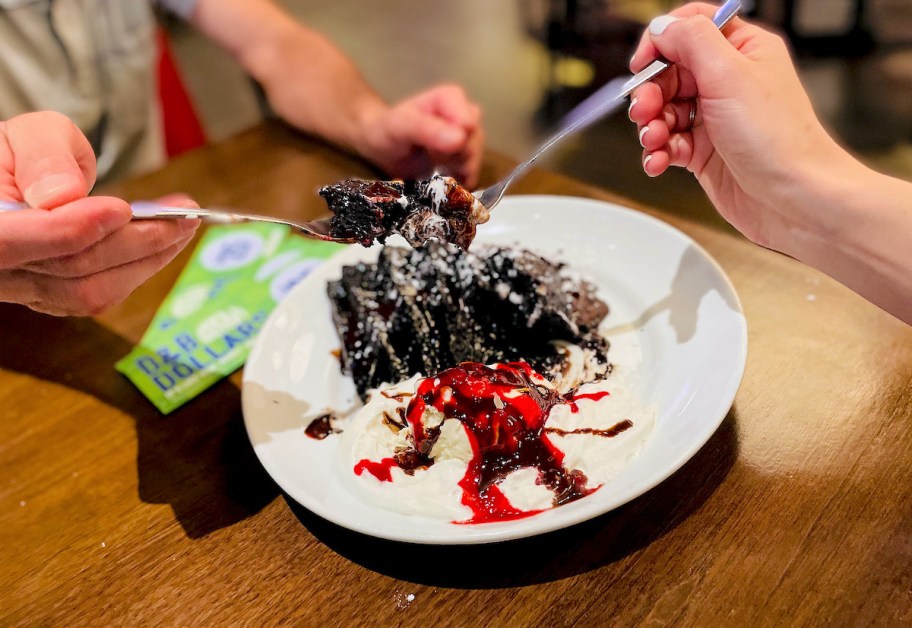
x=434, y=209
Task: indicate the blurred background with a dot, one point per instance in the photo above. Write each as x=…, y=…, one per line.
x=527, y=61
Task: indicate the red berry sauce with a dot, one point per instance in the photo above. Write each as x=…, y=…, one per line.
x=504, y=410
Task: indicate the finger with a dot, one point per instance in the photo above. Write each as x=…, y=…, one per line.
x=135, y=241
x=471, y=168
x=680, y=149
x=86, y=296
x=466, y=165
x=54, y=162
x=696, y=44
x=434, y=134
x=654, y=135
x=655, y=162
x=676, y=114
x=675, y=83
x=34, y=234
x=646, y=103
x=677, y=151
x=451, y=103
x=646, y=51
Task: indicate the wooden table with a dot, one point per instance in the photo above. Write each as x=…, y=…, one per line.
x=798, y=510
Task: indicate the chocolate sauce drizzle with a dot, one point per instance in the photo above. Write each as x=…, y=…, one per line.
x=321, y=427
x=611, y=432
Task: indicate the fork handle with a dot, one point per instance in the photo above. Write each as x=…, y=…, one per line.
x=145, y=210
x=610, y=96
x=604, y=101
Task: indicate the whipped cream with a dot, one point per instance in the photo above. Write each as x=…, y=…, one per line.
x=597, y=429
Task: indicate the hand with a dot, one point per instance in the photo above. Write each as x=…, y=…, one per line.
x=755, y=142
x=439, y=129
x=71, y=255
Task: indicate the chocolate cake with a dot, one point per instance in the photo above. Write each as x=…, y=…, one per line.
x=425, y=310
x=436, y=208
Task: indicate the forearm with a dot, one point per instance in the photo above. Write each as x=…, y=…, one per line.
x=855, y=225
x=308, y=81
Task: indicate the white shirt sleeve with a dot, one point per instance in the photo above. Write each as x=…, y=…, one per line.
x=181, y=8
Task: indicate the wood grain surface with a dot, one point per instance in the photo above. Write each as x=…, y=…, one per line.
x=797, y=511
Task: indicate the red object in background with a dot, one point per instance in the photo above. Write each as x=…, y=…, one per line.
x=182, y=127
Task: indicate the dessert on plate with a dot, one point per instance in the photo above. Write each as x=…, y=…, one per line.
x=489, y=393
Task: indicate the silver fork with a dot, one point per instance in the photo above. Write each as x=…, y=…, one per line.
x=146, y=210
x=606, y=100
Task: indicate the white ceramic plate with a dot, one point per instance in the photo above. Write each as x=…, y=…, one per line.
x=667, y=297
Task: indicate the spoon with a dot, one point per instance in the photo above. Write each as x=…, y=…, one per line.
x=606, y=100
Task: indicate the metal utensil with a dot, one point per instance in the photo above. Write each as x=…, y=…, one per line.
x=145, y=210
x=606, y=100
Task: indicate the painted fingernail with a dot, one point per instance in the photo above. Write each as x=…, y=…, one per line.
x=646, y=160
x=633, y=102
x=643, y=132
x=659, y=24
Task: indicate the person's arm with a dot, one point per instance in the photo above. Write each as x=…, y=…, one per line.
x=855, y=225
x=765, y=160
x=315, y=87
x=69, y=254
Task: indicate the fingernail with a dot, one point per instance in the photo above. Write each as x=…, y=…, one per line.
x=189, y=203
x=659, y=24
x=630, y=108
x=452, y=135
x=646, y=160
x=643, y=132
x=52, y=189
x=117, y=215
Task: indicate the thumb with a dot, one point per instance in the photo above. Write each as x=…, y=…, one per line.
x=53, y=161
x=697, y=44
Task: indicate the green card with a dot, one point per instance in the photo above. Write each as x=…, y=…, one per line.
x=206, y=326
